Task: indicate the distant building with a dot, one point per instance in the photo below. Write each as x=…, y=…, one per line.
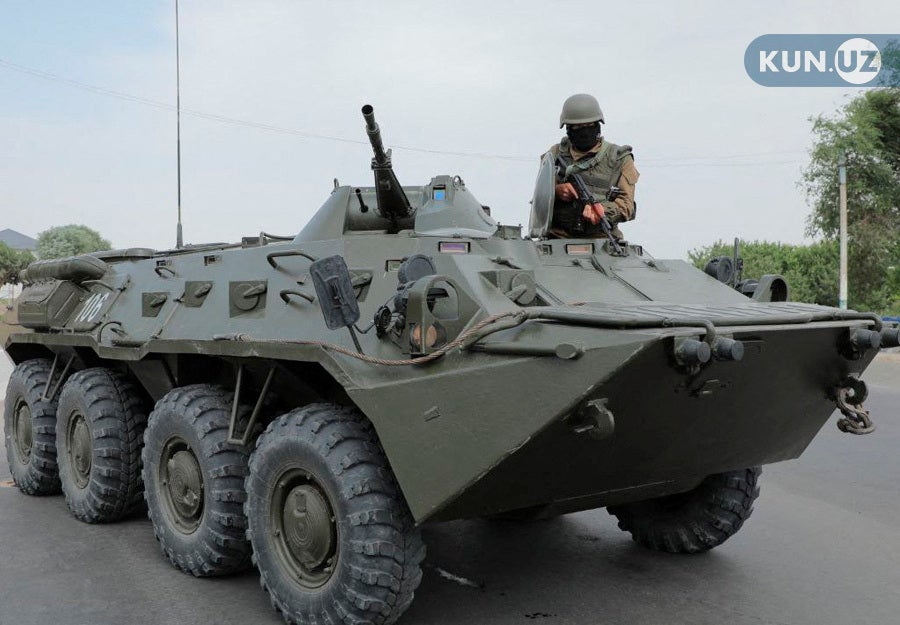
x=17, y=240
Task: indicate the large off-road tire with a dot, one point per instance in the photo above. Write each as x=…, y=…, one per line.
x=29, y=426
x=194, y=482
x=99, y=435
x=332, y=536
x=697, y=520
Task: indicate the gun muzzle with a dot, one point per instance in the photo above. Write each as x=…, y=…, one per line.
x=374, y=133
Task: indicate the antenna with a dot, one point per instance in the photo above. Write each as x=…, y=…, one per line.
x=179, y=240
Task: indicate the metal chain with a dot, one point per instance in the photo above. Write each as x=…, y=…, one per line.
x=856, y=418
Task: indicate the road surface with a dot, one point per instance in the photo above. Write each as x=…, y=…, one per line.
x=822, y=547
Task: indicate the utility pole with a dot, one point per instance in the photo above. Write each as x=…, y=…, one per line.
x=842, y=182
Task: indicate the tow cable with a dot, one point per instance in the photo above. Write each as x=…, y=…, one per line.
x=849, y=398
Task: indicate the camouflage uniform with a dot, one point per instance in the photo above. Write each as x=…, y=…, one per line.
x=603, y=166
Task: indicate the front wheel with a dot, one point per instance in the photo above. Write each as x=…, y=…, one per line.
x=697, y=520
x=332, y=535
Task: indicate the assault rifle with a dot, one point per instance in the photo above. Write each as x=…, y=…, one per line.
x=585, y=197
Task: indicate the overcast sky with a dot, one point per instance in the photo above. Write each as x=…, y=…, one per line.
x=719, y=156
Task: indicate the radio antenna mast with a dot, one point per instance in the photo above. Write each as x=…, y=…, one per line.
x=179, y=240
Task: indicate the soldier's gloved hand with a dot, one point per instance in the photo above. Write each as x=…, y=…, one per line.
x=593, y=213
x=566, y=192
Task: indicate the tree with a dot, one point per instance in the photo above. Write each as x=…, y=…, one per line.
x=811, y=271
x=890, y=64
x=867, y=129
x=70, y=240
x=11, y=263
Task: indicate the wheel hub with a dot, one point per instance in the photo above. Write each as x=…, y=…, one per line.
x=22, y=433
x=307, y=525
x=182, y=482
x=304, y=528
x=79, y=447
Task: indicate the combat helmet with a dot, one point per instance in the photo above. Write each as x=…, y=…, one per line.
x=580, y=108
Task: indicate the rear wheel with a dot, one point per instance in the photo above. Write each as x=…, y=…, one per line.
x=697, y=520
x=99, y=435
x=332, y=535
x=29, y=424
x=194, y=482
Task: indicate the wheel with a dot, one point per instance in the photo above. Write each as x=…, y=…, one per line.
x=99, y=436
x=194, y=482
x=29, y=423
x=697, y=520
x=332, y=536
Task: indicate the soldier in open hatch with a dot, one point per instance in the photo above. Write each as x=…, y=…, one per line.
x=601, y=164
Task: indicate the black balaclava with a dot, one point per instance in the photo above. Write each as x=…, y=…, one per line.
x=583, y=139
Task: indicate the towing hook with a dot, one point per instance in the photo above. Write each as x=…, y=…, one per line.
x=849, y=397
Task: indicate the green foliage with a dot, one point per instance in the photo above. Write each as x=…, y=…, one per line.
x=893, y=285
x=70, y=240
x=890, y=64
x=811, y=271
x=11, y=263
x=867, y=130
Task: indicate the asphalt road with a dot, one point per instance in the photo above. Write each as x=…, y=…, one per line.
x=822, y=547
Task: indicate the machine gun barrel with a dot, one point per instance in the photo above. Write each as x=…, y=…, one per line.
x=392, y=201
x=381, y=157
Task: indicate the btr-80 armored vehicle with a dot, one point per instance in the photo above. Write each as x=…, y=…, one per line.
x=306, y=403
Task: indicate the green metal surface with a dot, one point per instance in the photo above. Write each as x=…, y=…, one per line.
x=22, y=433
x=182, y=485
x=551, y=377
x=304, y=528
x=79, y=447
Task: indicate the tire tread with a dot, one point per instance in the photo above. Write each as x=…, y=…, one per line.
x=41, y=475
x=118, y=416
x=706, y=516
x=381, y=568
x=223, y=548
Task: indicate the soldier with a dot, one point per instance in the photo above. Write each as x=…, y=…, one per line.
x=601, y=164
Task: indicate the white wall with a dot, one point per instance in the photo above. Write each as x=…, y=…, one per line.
x=10, y=291
x=6, y=367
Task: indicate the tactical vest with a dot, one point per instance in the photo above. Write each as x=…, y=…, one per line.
x=599, y=172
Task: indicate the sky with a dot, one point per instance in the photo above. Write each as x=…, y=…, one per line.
x=272, y=90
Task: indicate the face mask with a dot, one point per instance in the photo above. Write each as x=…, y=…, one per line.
x=584, y=139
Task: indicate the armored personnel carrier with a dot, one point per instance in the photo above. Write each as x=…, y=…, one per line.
x=305, y=404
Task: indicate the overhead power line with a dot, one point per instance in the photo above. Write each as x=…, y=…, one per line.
x=728, y=160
